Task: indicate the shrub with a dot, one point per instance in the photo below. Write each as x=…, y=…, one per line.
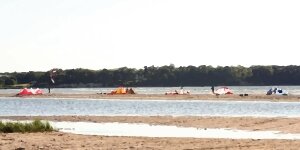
x=35, y=126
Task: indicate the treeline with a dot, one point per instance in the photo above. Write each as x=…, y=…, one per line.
x=159, y=76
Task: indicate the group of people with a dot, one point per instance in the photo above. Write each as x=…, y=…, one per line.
x=277, y=91
x=129, y=91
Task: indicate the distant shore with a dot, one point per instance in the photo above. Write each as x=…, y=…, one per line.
x=234, y=97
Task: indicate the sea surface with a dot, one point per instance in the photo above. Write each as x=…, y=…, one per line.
x=293, y=90
x=14, y=106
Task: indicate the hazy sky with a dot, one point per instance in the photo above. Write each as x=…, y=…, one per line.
x=37, y=35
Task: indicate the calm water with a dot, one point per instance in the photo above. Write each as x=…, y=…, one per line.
x=161, y=90
x=146, y=130
x=35, y=107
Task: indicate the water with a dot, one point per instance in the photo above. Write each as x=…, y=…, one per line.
x=295, y=90
x=146, y=130
x=42, y=107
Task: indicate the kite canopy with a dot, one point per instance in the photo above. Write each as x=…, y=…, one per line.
x=26, y=92
x=122, y=90
x=223, y=91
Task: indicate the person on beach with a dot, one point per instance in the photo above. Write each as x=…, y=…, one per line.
x=270, y=92
x=49, y=85
x=130, y=91
x=212, y=89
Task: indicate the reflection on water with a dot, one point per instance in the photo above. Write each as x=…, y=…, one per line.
x=47, y=107
x=146, y=130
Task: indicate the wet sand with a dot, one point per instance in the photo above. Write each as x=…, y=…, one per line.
x=287, y=125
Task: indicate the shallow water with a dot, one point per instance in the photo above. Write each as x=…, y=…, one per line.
x=48, y=107
x=295, y=90
x=146, y=130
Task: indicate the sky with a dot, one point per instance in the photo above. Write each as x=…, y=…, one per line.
x=38, y=35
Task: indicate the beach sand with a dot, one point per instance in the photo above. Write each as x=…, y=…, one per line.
x=58, y=140
x=234, y=97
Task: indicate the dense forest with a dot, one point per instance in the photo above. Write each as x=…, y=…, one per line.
x=157, y=76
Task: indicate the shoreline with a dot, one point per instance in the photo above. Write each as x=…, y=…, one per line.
x=250, y=97
x=286, y=125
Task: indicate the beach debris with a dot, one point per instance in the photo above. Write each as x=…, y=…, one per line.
x=243, y=95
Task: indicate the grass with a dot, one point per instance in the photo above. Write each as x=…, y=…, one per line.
x=35, y=126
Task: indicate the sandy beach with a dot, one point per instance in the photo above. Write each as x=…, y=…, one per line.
x=250, y=97
x=59, y=140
